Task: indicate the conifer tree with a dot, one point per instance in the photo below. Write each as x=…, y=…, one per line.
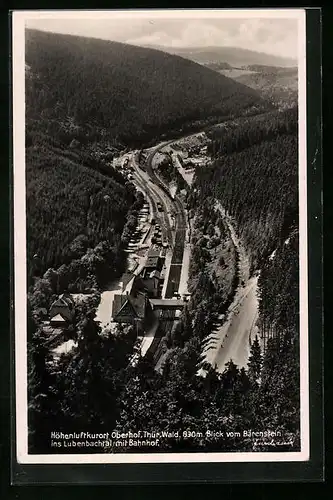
x=255, y=360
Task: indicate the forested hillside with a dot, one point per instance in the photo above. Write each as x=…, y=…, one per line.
x=70, y=207
x=278, y=85
x=263, y=396
x=81, y=88
x=255, y=177
x=85, y=100
x=85, y=96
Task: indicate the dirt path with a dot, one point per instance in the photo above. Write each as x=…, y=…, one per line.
x=243, y=262
x=231, y=339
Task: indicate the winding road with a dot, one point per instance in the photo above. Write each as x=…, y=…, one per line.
x=231, y=338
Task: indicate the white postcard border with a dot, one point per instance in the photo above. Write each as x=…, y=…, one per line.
x=20, y=275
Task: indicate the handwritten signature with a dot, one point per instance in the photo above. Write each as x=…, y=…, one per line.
x=272, y=442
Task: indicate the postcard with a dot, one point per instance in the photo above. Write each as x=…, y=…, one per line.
x=160, y=236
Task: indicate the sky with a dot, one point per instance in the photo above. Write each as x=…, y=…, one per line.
x=275, y=35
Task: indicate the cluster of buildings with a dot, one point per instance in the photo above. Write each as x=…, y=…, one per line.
x=135, y=302
x=139, y=301
x=194, y=156
x=137, y=235
x=132, y=305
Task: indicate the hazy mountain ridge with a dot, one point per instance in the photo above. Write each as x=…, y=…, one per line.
x=131, y=92
x=87, y=95
x=235, y=56
x=274, y=77
x=279, y=87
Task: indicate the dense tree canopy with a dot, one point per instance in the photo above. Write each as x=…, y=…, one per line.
x=139, y=93
x=254, y=174
x=70, y=208
x=80, y=214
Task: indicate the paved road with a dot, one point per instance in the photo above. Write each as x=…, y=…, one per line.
x=231, y=339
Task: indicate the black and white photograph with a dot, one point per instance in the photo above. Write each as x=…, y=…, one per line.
x=160, y=236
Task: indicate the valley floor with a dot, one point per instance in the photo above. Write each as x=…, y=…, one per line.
x=232, y=338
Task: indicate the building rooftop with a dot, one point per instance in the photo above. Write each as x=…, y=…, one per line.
x=154, y=252
x=134, y=306
x=155, y=274
x=166, y=303
x=153, y=261
x=58, y=318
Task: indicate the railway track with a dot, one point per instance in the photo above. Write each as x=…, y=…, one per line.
x=154, y=189
x=180, y=233
x=156, y=348
x=155, y=197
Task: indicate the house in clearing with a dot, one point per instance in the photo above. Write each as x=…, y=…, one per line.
x=62, y=311
x=151, y=282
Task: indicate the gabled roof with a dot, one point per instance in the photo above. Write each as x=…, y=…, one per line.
x=59, y=318
x=64, y=300
x=135, y=306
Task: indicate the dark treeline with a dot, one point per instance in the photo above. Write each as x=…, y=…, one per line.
x=279, y=329
x=97, y=389
x=239, y=136
x=279, y=289
x=71, y=208
x=169, y=173
x=85, y=88
x=256, y=182
x=80, y=219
